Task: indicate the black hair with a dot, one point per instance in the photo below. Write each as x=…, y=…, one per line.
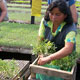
x=61, y=4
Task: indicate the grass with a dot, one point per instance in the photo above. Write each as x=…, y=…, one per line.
x=18, y=35
x=21, y=9
x=79, y=18
x=78, y=41
x=23, y=17
x=21, y=1
x=78, y=3
x=19, y=16
x=24, y=5
x=22, y=35
x=8, y=69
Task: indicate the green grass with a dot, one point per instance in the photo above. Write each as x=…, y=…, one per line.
x=21, y=9
x=78, y=41
x=78, y=3
x=21, y=1
x=20, y=16
x=23, y=5
x=22, y=35
x=18, y=35
x=8, y=69
x=79, y=19
x=23, y=17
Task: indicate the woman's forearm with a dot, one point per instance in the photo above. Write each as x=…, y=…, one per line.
x=4, y=11
x=2, y=16
x=65, y=51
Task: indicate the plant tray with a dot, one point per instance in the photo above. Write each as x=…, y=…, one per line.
x=51, y=72
x=23, y=70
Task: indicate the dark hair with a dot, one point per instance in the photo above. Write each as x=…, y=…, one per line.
x=62, y=7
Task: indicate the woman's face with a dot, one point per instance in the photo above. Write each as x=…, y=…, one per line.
x=56, y=16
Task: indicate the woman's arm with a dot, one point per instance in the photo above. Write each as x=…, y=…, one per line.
x=74, y=13
x=65, y=51
x=4, y=10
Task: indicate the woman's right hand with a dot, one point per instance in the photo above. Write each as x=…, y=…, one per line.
x=40, y=56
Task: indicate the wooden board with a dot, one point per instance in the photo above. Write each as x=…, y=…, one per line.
x=23, y=65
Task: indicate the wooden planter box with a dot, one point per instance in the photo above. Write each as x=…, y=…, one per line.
x=51, y=72
x=24, y=70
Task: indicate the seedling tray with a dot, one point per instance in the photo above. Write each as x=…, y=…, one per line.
x=23, y=70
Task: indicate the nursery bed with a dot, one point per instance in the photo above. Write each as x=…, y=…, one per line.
x=23, y=72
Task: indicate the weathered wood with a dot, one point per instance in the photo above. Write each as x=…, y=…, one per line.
x=23, y=70
x=25, y=75
x=33, y=75
x=16, y=49
x=23, y=65
x=29, y=78
x=52, y=72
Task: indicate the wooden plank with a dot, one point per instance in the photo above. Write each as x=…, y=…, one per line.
x=23, y=65
x=35, y=62
x=51, y=72
x=16, y=49
x=23, y=68
x=26, y=74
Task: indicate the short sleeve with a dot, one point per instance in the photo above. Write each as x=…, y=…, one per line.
x=71, y=2
x=41, y=29
x=70, y=37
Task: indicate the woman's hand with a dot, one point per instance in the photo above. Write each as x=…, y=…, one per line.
x=43, y=60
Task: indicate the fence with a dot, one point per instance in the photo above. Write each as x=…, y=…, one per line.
x=20, y=10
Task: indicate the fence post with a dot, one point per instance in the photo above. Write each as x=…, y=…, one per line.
x=32, y=17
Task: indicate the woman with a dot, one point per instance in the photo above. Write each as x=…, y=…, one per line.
x=3, y=11
x=57, y=26
x=71, y=4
